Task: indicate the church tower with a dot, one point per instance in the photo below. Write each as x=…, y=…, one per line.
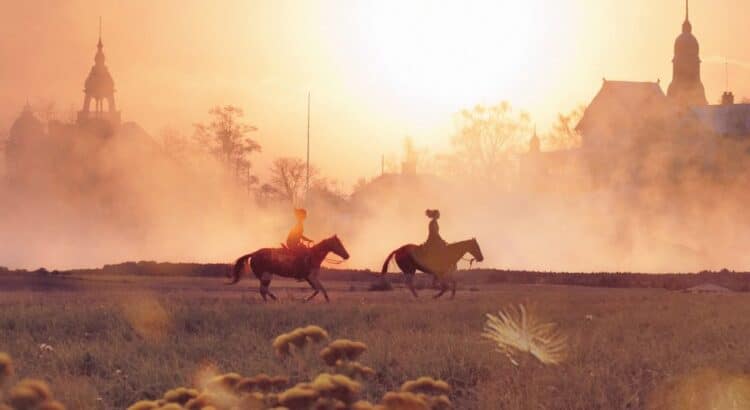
x=686, y=87
x=99, y=87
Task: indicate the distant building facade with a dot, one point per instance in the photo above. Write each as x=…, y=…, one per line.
x=626, y=114
x=36, y=148
x=686, y=88
x=99, y=88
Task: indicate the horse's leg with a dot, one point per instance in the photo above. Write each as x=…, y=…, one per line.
x=453, y=289
x=268, y=285
x=314, y=288
x=409, y=268
x=263, y=290
x=265, y=282
x=443, y=288
x=322, y=289
x=410, y=283
x=319, y=286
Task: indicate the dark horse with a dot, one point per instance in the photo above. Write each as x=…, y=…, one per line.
x=283, y=262
x=445, y=263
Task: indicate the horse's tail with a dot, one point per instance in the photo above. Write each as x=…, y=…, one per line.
x=239, y=266
x=387, y=261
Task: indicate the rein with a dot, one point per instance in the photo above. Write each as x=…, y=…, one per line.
x=329, y=260
x=470, y=260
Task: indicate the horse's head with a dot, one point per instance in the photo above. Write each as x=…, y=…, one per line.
x=336, y=246
x=475, y=251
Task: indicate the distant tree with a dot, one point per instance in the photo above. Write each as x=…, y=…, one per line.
x=288, y=182
x=226, y=136
x=246, y=176
x=485, y=140
x=563, y=134
x=327, y=191
x=288, y=178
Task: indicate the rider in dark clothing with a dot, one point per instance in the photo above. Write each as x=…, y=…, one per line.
x=434, y=241
x=429, y=252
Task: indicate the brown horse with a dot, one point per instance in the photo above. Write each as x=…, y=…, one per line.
x=445, y=263
x=283, y=262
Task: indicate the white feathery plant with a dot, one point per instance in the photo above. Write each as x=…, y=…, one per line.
x=518, y=332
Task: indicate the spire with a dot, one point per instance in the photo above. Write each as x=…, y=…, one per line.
x=99, y=58
x=686, y=26
x=99, y=44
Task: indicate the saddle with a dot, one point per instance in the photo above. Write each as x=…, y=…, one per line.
x=298, y=261
x=429, y=255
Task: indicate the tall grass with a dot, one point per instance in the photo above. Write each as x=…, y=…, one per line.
x=625, y=346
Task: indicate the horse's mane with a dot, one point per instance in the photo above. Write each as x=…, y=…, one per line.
x=462, y=242
x=322, y=242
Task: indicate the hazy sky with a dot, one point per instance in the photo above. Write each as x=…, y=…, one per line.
x=377, y=70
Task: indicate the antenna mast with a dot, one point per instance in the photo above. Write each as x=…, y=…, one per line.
x=307, y=178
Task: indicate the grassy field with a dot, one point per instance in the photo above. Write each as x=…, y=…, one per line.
x=118, y=342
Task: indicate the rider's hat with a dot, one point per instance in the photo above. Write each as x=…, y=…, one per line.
x=432, y=213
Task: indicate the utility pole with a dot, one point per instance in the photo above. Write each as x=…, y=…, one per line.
x=307, y=179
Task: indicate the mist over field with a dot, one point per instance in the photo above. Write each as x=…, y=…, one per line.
x=134, y=201
x=667, y=197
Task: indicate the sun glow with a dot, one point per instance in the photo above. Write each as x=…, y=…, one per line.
x=431, y=59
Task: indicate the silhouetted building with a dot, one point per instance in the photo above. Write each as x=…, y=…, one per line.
x=626, y=116
x=66, y=151
x=98, y=88
x=727, y=120
x=620, y=111
x=26, y=132
x=545, y=170
x=686, y=88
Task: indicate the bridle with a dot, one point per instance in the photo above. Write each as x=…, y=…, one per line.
x=331, y=260
x=470, y=260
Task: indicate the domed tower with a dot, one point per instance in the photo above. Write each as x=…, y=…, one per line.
x=686, y=87
x=25, y=126
x=99, y=87
x=26, y=133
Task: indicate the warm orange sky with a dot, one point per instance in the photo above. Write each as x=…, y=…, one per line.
x=377, y=70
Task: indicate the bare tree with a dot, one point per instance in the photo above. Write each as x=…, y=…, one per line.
x=288, y=178
x=226, y=136
x=486, y=138
x=563, y=134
